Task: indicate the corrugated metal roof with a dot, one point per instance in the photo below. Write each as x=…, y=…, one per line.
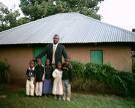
x=72, y=28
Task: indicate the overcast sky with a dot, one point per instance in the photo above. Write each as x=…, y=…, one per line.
x=115, y=12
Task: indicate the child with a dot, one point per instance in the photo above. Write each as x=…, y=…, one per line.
x=66, y=79
x=39, y=76
x=30, y=79
x=47, y=85
x=57, y=84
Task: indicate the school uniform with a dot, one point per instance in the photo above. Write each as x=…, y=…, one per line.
x=39, y=74
x=57, y=84
x=30, y=81
x=47, y=84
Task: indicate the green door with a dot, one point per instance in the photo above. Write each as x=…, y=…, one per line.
x=37, y=51
x=96, y=57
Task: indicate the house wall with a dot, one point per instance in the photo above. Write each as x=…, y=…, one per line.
x=117, y=56
x=18, y=58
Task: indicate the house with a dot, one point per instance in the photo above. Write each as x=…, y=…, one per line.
x=85, y=39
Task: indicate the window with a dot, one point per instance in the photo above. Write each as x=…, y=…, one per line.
x=96, y=56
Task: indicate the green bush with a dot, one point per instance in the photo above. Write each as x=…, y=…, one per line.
x=112, y=80
x=4, y=67
x=77, y=69
x=129, y=81
x=133, y=66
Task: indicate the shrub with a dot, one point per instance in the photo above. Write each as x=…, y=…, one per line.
x=4, y=67
x=112, y=80
x=104, y=74
x=77, y=69
x=129, y=81
x=88, y=86
x=133, y=66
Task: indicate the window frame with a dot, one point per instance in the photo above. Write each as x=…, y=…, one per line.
x=97, y=50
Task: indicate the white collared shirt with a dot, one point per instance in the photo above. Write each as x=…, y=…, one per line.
x=55, y=46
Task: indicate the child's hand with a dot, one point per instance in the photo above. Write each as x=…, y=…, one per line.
x=65, y=68
x=43, y=77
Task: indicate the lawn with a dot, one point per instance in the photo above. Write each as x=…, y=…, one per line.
x=16, y=99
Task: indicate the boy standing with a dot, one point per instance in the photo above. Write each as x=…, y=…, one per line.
x=39, y=76
x=66, y=79
x=30, y=79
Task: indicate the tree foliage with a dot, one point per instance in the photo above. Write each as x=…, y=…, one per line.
x=10, y=19
x=37, y=9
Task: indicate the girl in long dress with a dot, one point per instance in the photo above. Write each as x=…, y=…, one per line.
x=57, y=84
x=47, y=85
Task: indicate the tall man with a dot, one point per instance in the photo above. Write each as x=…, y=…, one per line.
x=54, y=51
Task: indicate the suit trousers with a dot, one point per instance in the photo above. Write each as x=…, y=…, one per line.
x=38, y=89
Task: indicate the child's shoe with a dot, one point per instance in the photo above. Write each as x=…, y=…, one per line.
x=55, y=97
x=68, y=99
x=64, y=98
x=59, y=98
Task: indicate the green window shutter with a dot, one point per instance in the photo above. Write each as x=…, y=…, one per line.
x=96, y=57
x=37, y=51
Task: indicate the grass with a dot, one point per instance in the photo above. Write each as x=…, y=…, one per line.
x=16, y=99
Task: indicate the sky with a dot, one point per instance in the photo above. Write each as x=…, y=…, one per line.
x=119, y=13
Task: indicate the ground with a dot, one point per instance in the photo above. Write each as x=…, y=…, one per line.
x=15, y=98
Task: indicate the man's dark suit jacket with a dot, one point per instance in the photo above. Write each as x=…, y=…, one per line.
x=48, y=51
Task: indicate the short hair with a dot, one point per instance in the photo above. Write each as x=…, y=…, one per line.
x=31, y=62
x=56, y=35
x=38, y=58
x=59, y=63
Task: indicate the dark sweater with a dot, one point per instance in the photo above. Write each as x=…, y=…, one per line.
x=39, y=71
x=67, y=74
x=48, y=72
x=30, y=73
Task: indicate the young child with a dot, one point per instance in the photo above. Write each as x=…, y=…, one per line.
x=39, y=76
x=57, y=84
x=66, y=79
x=30, y=79
x=47, y=84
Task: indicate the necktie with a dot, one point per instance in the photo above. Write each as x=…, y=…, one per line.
x=53, y=57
